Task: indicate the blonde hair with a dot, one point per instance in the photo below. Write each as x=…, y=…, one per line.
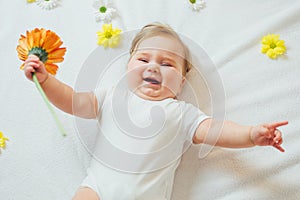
x=155, y=29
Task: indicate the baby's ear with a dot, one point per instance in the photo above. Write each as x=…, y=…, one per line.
x=181, y=84
x=183, y=81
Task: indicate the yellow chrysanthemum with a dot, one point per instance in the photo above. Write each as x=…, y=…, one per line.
x=43, y=43
x=272, y=45
x=2, y=140
x=108, y=37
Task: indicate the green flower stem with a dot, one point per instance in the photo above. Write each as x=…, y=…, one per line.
x=40, y=89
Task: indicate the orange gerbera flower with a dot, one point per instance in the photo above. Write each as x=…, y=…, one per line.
x=43, y=43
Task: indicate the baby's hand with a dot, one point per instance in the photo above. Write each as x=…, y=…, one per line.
x=268, y=134
x=34, y=65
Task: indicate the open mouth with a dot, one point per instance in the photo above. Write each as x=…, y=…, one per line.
x=152, y=80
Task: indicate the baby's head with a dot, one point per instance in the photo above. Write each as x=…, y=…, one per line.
x=158, y=29
x=158, y=63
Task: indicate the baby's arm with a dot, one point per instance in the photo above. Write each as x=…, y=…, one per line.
x=61, y=95
x=233, y=135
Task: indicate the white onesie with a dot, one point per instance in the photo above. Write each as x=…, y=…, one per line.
x=139, y=145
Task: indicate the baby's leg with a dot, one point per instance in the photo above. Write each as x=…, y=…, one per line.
x=85, y=193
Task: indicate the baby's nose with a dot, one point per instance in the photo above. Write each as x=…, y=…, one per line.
x=154, y=68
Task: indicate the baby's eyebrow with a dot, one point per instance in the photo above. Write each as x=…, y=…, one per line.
x=141, y=53
x=164, y=56
x=168, y=57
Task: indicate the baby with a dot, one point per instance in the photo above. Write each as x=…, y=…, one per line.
x=156, y=72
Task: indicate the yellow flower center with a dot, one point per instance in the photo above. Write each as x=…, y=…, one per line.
x=273, y=46
x=193, y=1
x=108, y=35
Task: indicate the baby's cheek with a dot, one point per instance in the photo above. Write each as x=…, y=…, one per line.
x=133, y=78
x=173, y=83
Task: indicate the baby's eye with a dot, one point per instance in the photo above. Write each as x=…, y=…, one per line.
x=143, y=60
x=166, y=65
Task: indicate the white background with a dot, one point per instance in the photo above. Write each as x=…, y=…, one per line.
x=39, y=163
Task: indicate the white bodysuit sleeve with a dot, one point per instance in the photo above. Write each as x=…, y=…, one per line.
x=192, y=117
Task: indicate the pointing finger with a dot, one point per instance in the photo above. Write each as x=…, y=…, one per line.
x=277, y=124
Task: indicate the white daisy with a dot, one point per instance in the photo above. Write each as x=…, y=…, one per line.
x=197, y=4
x=104, y=11
x=48, y=4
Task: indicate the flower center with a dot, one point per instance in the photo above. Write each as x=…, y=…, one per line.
x=272, y=46
x=102, y=9
x=192, y=1
x=108, y=35
x=39, y=52
x=47, y=0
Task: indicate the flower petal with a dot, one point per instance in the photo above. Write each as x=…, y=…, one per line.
x=22, y=48
x=43, y=37
x=36, y=35
x=271, y=53
x=48, y=4
x=22, y=53
x=280, y=43
x=22, y=66
x=29, y=40
x=51, y=41
x=56, y=55
x=265, y=48
x=279, y=50
x=51, y=68
x=97, y=4
x=3, y=139
x=105, y=43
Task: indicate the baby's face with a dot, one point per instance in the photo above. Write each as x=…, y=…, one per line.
x=155, y=68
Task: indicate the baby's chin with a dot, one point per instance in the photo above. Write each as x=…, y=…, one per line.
x=153, y=95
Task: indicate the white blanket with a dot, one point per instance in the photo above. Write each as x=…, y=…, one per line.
x=39, y=163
